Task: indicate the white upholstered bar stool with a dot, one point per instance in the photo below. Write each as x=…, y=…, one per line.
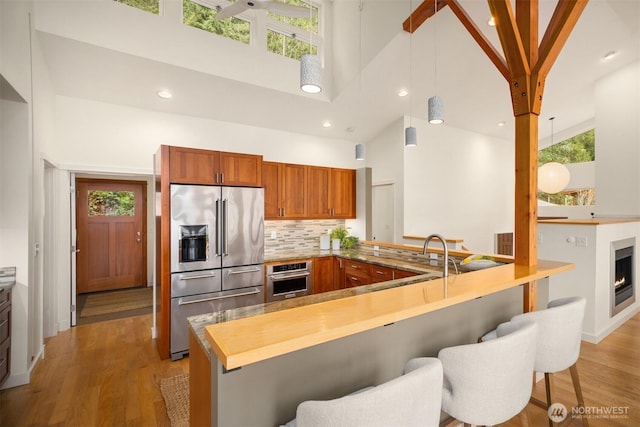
x=490, y=382
x=558, y=346
x=412, y=399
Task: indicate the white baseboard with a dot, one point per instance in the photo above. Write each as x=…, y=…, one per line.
x=23, y=377
x=617, y=321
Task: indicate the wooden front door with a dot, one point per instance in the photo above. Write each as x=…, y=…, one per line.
x=111, y=242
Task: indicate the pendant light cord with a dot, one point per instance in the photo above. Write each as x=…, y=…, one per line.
x=435, y=48
x=410, y=62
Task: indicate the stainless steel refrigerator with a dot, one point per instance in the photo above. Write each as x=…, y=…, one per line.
x=217, y=253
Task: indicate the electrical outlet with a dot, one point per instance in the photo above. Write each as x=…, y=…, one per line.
x=274, y=235
x=581, y=241
x=540, y=239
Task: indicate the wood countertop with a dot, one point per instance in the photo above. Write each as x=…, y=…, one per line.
x=252, y=339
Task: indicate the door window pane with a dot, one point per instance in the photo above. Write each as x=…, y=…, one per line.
x=111, y=203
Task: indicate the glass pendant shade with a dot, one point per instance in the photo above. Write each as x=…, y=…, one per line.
x=359, y=151
x=410, y=137
x=436, y=110
x=310, y=73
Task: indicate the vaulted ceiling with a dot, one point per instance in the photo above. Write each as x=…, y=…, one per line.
x=443, y=59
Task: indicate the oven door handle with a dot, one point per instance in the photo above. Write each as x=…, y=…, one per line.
x=277, y=277
x=199, y=276
x=242, y=294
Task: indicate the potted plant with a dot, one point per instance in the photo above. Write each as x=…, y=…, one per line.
x=349, y=242
x=337, y=235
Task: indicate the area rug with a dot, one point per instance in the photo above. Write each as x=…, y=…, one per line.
x=175, y=391
x=116, y=301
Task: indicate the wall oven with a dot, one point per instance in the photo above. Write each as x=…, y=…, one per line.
x=289, y=280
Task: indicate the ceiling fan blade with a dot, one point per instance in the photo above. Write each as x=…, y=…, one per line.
x=289, y=10
x=232, y=10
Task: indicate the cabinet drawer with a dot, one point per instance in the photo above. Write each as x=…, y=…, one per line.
x=5, y=299
x=5, y=323
x=380, y=274
x=356, y=267
x=5, y=353
x=353, y=280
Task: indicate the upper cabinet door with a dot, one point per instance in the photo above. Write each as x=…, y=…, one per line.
x=293, y=191
x=271, y=184
x=191, y=166
x=318, y=192
x=342, y=193
x=236, y=169
x=196, y=166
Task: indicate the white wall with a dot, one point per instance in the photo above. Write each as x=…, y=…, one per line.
x=591, y=277
x=618, y=142
x=459, y=184
x=100, y=137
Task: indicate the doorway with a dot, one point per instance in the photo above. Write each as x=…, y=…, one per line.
x=111, y=246
x=383, y=218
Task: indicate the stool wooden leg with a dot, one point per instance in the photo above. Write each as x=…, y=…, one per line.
x=548, y=386
x=576, y=386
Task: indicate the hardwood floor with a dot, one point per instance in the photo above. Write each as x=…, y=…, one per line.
x=610, y=378
x=108, y=374
x=104, y=374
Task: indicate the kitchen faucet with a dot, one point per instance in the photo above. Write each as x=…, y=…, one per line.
x=445, y=271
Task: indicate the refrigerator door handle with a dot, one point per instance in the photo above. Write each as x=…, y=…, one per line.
x=182, y=301
x=225, y=242
x=217, y=230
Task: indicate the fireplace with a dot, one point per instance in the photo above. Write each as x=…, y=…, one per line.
x=622, y=274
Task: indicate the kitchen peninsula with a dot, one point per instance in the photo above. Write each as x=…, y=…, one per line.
x=253, y=366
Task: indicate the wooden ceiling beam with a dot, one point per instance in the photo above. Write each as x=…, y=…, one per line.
x=515, y=55
x=424, y=11
x=562, y=22
x=479, y=37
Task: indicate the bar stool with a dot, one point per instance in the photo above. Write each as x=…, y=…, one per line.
x=558, y=346
x=489, y=383
x=412, y=399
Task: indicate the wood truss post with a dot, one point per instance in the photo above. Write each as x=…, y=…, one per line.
x=525, y=67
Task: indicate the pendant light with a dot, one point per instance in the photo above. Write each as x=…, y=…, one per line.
x=410, y=133
x=553, y=177
x=359, y=151
x=310, y=69
x=435, y=105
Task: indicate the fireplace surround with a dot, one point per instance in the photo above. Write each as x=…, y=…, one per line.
x=622, y=275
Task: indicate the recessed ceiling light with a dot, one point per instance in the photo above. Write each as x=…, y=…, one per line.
x=491, y=22
x=609, y=55
x=501, y=124
x=164, y=94
x=350, y=129
x=326, y=124
x=403, y=92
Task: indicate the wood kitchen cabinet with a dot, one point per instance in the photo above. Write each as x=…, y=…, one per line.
x=331, y=192
x=338, y=272
x=401, y=274
x=285, y=190
x=5, y=334
x=378, y=273
x=356, y=273
x=197, y=166
x=323, y=277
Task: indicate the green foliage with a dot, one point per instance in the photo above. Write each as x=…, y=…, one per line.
x=302, y=23
x=111, y=203
x=152, y=6
x=285, y=45
x=203, y=18
x=578, y=149
x=349, y=242
x=339, y=233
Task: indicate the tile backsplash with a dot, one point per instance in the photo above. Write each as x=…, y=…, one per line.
x=291, y=236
